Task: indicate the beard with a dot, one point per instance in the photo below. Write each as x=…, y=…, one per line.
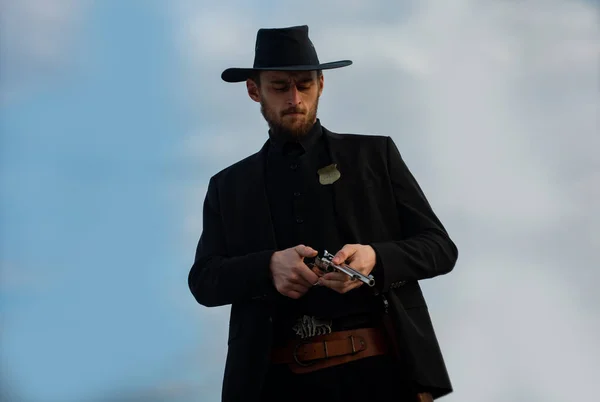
x=286, y=129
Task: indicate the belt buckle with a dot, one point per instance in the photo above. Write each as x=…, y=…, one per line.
x=295, y=355
x=302, y=364
x=309, y=326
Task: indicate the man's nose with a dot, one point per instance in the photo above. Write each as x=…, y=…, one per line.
x=294, y=96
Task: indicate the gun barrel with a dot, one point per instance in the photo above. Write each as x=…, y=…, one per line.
x=354, y=274
x=325, y=264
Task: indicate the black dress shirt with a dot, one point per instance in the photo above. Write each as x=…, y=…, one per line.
x=302, y=212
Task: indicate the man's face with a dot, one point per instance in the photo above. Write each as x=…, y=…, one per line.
x=289, y=101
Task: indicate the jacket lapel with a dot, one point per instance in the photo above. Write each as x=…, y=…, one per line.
x=252, y=192
x=343, y=187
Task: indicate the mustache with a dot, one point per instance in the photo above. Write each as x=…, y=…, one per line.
x=294, y=110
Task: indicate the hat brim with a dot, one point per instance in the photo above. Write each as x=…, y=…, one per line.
x=242, y=74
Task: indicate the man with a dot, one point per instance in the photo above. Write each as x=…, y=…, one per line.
x=298, y=332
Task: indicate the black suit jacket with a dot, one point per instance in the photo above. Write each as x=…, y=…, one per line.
x=378, y=201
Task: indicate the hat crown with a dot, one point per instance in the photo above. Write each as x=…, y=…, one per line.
x=284, y=47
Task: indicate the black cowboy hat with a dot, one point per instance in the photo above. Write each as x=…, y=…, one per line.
x=282, y=49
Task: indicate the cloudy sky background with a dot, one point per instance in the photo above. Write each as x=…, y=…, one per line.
x=113, y=118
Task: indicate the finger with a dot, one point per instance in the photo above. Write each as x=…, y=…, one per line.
x=344, y=254
x=337, y=276
x=357, y=266
x=354, y=285
x=294, y=294
x=317, y=271
x=298, y=279
x=338, y=286
x=305, y=251
x=302, y=276
x=333, y=285
x=348, y=286
x=307, y=275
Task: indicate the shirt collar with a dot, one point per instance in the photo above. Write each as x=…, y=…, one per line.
x=306, y=142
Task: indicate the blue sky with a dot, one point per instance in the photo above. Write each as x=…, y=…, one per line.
x=87, y=159
x=113, y=117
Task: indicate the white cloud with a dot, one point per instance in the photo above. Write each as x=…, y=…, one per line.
x=508, y=324
x=494, y=105
x=35, y=37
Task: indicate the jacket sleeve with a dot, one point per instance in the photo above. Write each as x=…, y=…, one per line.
x=217, y=279
x=425, y=249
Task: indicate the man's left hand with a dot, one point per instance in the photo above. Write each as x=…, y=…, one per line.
x=357, y=256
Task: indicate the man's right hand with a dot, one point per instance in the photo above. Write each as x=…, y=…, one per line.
x=291, y=276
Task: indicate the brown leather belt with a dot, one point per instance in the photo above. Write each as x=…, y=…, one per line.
x=339, y=347
x=318, y=352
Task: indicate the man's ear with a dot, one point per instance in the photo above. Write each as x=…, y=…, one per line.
x=321, y=84
x=253, y=91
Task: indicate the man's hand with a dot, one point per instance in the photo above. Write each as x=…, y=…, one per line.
x=360, y=257
x=291, y=276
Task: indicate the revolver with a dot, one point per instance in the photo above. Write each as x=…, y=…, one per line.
x=324, y=264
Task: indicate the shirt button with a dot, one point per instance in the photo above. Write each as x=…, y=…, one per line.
x=299, y=220
x=293, y=166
